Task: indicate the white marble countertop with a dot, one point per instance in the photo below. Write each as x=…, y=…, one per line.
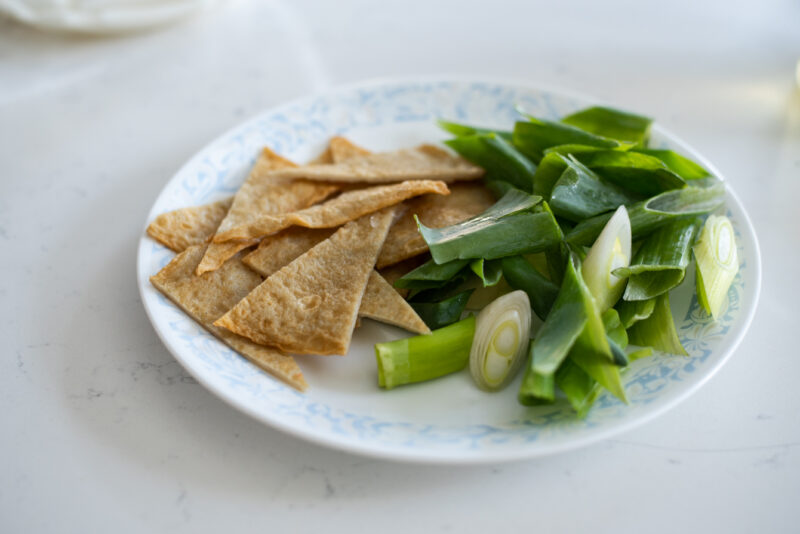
x=104, y=432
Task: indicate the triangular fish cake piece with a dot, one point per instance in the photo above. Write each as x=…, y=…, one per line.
x=184, y=227
x=310, y=306
x=261, y=193
x=348, y=206
x=342, y=149
x=383, y=303
x=426, y=162
x=206, y=298
x=434, y=211
x=380, y=302
x=278, y=250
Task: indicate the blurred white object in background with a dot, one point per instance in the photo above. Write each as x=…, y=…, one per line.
x=100, y=16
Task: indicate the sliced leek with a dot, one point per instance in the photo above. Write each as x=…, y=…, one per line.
x=658, y=330
x=425, y=357
x=660, y=263
x=648, y=215
x=518, y=223
x=501, y=340
x=717, y=263
x=579, y=193
x=520, y=274
x=610, y=251
x=633, y=311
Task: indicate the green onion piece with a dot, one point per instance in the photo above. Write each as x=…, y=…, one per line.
x=532, y=138
x=612, y=123
x=582, y=390
x=502, y=332
x=547, y=174
x=425, y=357
x=439, y=314
x=640, y=353
x=658, y=330
x=553, y=164
x=637, y=172
x=462, y=130
x=573, y=321
x=680, y=165
x=557, y=259
x=430, y=275
x=660, y=264
x=633, y=311
x=498, y=187
x=648, y=215
x=615, y=330
x=520, y=274
x=579, y=193
x=575, y=149
x=717, y=263
x=489, y=271
x=514, y=225
x=498, y=157
x=483, y=296
x=593, y=353
x=610, y=251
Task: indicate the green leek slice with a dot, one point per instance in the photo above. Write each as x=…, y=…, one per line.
x=660, y=264
x=633, y=311
x=518, y=223
x=439, y=314
x=489, y=271
x=533, y=137
x=463, y=130
x=648, y=215
x=425, y=357
x=498, y=157
x=658, y=330
x=612, y=123
x=430, y=275
x=579, y=193
x=520, y=274
x=680, y=165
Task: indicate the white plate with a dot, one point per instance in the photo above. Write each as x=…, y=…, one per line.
x=447, y=420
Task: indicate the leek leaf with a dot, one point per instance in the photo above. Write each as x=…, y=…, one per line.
x=633, y=311
x=498, y=187
x=635, y=171
x=430, y=275
x=579, y=193
x=463, y=130
x=658, y=330
x=660, y=264
x=564, y=324
x=439, y=314
x=569, y=315
x=532, y=138
x=648, y=215
x=547, y=174
x=425, y=357
x=520, y=274
x=489, y=271
x=680, y=165
x=514, y=225
x=498, y=157
x=614, y=328
x=612, y=123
